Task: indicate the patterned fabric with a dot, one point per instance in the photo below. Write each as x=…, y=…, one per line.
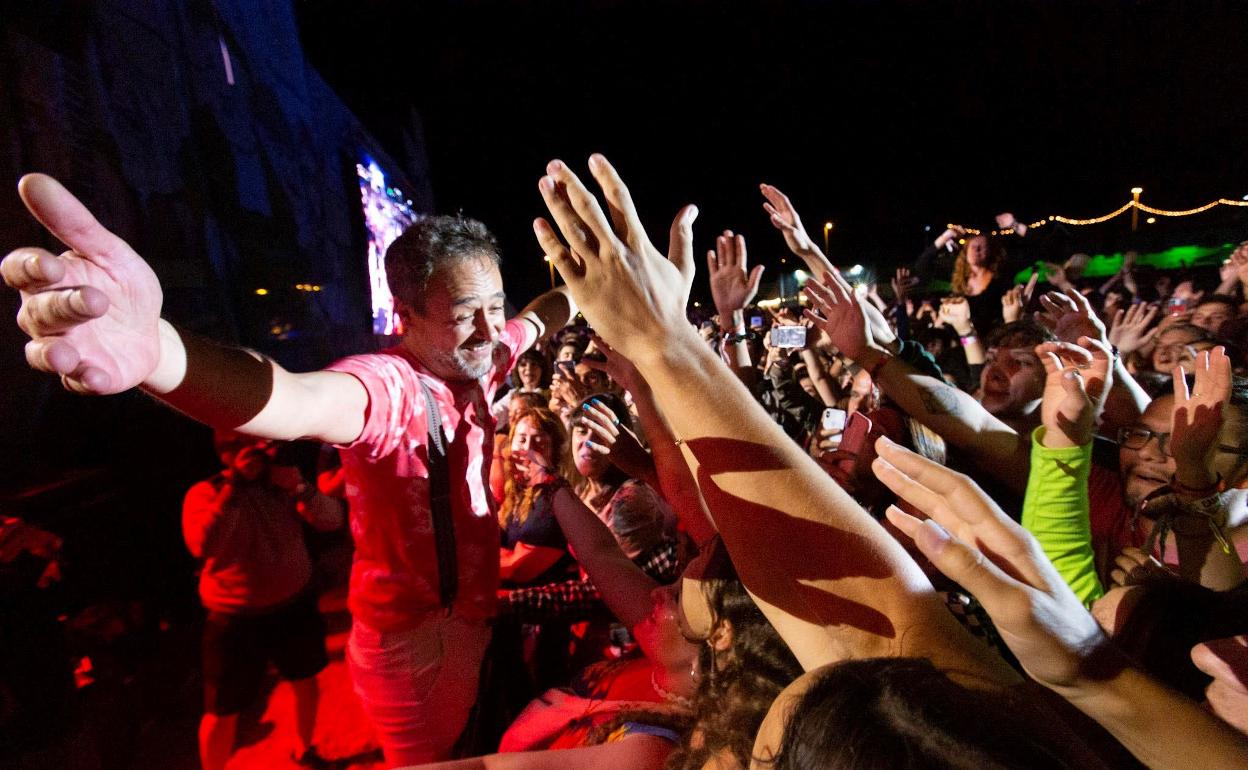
x=577, y=600
x=394, y=578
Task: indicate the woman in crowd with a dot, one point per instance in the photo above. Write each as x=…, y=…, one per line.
x=533, y=549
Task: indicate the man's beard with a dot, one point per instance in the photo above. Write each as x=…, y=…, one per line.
x=464, y=368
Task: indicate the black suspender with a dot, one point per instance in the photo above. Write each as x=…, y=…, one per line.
x=440, y=512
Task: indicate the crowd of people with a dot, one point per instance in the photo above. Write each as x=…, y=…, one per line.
x=951, y=522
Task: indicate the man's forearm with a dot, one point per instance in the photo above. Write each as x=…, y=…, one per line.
x=550, y=312
x=229, y=387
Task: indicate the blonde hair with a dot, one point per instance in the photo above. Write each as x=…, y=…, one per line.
x=518, y=498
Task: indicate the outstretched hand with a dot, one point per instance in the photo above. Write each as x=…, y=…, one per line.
x=630, y=293
x=1075, y=388
x=974, y=543
x=838, y=313
x=1070, y=316
x=93, y=312
x=1197, y=417
x=1130, y=329
x=731, y=286
x=784, y=218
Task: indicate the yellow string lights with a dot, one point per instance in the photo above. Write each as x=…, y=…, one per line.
x=1135, y=203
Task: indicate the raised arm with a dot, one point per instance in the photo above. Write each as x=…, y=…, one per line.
x=850, y=590
x=93, y=315
x=970, y=540
x=943, y=408
x=672, y=475
x=550, y=312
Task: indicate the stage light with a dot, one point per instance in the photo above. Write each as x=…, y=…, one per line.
x=261, y=292
x=855, y=270
x=1137, y=190
x=1151, y=220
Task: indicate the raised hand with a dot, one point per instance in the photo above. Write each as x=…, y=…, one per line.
x=630, y=293
x=1132, y=328
x=1070, y=316
x=956, y=312
x=533, y=468
x=1197, y=417
x=93, y=312
x=617, y=367
x=731, y=286
x=784, y=218
x=974, y=543
x=949, y=236
x=615, y=441
x=1075, y=387
x=902, y=282
x=838, y=313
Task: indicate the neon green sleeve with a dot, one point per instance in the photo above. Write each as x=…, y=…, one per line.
x=1055, y=510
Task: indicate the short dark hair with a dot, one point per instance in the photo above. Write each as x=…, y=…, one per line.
x=430, y=244
x=1220, y=299
x=1025, y=333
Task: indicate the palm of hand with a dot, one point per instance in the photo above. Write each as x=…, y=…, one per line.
x=731, y=288
x=125, y=341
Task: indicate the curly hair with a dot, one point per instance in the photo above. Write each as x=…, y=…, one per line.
x=732, y=699
x=518, y=498
x=962, y=267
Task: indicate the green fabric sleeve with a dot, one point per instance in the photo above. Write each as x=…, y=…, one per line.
x=1055, y=510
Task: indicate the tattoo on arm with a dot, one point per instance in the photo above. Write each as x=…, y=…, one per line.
x=940, y=400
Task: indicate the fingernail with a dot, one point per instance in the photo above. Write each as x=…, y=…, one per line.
x=589, y=443
x=555, y=166
x=596, y=160
x=585, y=407
x=547, y=184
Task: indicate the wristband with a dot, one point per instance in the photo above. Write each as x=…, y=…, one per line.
x=968, y=339
x=736, y=337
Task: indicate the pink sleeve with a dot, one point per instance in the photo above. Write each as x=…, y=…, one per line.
x=394, y=400
x=518, y=336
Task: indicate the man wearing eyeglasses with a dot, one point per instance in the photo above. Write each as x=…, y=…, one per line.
x=1124, y=513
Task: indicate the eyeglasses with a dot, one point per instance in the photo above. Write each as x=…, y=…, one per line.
x=1138, y=436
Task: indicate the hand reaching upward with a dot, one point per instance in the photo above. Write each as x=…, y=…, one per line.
x=93, y=312
x=631, y=294
x=731, y=286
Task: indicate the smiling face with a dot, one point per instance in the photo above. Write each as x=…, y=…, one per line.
x=456, y=334
x=1147, y=468
x=528, y=436
x=1012, y=381
x=1178, y=347
x=529, y=372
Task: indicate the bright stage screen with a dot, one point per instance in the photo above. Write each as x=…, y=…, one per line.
x=386, y=215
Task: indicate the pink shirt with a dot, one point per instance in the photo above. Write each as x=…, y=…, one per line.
x=394, y=578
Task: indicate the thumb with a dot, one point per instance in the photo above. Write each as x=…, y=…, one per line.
x=756, y=275
x=65, y=217
x=680, y=242
x=1072, y=383
x=962, y=564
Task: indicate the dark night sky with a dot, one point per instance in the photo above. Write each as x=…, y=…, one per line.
x=882, y=116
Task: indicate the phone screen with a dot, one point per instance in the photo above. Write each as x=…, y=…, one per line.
x=788, y=337
x=756, y=322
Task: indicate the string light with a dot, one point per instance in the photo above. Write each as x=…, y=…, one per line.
x=1116, y=213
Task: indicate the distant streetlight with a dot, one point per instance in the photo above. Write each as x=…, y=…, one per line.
x=1135, y=208
x=827, y=228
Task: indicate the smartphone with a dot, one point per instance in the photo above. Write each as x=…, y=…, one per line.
x=756, y=322
x=1176, y=306
x=856, y=434
x=788, y=337
x=833, y=419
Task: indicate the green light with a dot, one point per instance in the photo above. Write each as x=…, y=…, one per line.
x=1178, y=257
